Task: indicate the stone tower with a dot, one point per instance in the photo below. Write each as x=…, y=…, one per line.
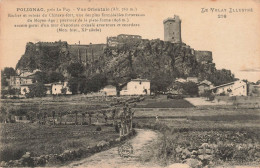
x=172, y=29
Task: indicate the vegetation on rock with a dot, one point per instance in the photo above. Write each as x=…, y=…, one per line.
x=156, y=60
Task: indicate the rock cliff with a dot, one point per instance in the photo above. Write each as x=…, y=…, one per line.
x=150, y=59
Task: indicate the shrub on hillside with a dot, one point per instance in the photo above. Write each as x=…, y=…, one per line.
x=98, y=128
x=36, y=90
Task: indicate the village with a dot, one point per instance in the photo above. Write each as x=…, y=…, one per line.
x=25, y=79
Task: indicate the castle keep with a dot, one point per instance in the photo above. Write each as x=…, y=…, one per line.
x=172, y=29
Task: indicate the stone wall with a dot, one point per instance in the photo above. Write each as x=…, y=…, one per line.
x=68, y=155
x=203, y=56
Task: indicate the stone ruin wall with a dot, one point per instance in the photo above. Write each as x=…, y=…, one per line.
x=203, y=57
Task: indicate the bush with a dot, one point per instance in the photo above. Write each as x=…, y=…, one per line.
x=222, y=94
x=7, y=153
x=225, y=152
x=190, y=88
x=98, y=128
x=116, y=128
x=211, y=97
x=36, y=90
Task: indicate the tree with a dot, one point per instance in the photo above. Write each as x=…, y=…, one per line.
x=44, y=117
x=55, y=77
x=41, y=77
x=161, y=81
x=73, y=85
x=83, y=115
x=114, y=112
x=190, y=88
x=5, y=74
x=3, y=79
x=220, y=77
x=12, y=91
x=37, y=90
x=53, y=117
x=75, y=69
x=60, y=116
x=31, y=115
x=89, y=117
x=76, y=117
x=64, y=90
x=9, y=71
x=95, y=83
x=209, y=95
x=105, y=116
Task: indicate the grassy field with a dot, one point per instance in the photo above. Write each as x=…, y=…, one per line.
x=180, y=127
x=233, y=133
x=163, y=102
x=18, y=138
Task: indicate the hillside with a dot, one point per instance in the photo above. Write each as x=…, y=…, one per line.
x=156, y=60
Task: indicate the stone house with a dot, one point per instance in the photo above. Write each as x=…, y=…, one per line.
x=24, y=89
x=136, y=87
x=59, y=86
x=17, y=81
x=21, y=119
x=204, y=86
x=236, y=88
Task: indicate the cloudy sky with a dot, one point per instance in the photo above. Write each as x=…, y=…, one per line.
x=234, y=40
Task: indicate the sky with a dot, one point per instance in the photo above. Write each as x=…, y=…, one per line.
x=234, y=40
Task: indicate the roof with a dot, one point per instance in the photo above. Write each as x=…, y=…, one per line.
x=48, y=84
x=192, y=77
x=26, y=77
x=140, y=80
x=205, y=82
x=226, y=84
x=181, y=80
x=109, y=86
x=27, y=84
x=60, y=83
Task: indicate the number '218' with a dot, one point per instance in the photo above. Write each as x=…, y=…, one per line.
x=222, y=16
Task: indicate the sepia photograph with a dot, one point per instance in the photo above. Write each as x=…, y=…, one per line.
x=127, y=83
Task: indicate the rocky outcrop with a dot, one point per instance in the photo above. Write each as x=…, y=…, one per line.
x=148, y=59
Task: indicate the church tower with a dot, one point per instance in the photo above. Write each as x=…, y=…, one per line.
x=172, y=29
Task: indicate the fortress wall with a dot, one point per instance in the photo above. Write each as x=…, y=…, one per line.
x=85, y=51
x=203, y=56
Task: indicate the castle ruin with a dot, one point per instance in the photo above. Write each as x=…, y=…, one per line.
x=172, y=29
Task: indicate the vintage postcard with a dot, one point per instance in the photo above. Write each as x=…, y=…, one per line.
x=122, y=83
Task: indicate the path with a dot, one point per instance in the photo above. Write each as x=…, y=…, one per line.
x=199, y=101
x=111, y=158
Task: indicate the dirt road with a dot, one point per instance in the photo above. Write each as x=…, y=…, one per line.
x=111, y=158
